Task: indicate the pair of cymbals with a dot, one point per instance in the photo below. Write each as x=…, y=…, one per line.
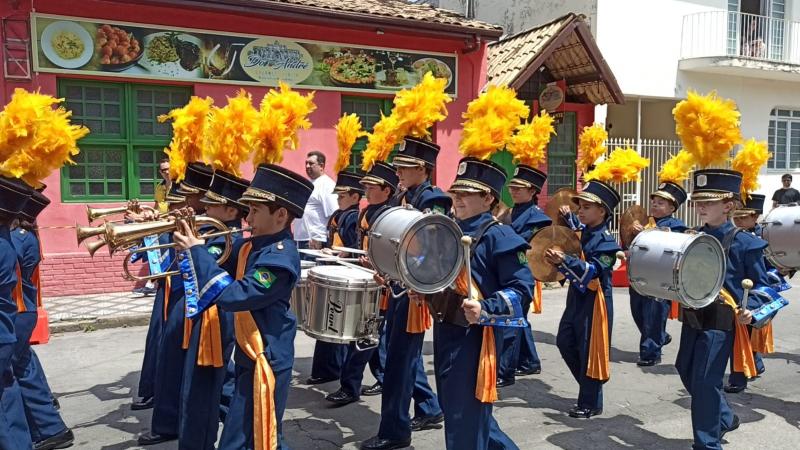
x=556, y=237
x=629, y=224
x=562, y=197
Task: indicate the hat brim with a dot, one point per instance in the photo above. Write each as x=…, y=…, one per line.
x=698, y=197
x=665, y=196
x=520, y=183
x=405, y=161
x=373, y=181
x=587, y=196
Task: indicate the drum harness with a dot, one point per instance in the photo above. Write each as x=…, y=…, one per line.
x=445, y=306
x=717, y=315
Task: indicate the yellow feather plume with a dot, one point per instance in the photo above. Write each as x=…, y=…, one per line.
x=348, y=130
x=490, y=121
x=621, y=166
x=591, y=146
x=677, y=168
x=529, y=145
x=188, y=135
x=749, y=161
x=229, y=139
x=422, y=106
x=35, y=138
x=283, y=113
x=385, y=135
x=708, y=127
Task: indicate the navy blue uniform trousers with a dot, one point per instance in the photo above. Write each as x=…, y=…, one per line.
x=404, y=377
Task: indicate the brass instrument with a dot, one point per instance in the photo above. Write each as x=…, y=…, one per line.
x=98, y=213
x=124, y=236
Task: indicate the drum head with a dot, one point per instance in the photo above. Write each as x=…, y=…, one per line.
x=701, y=271
x=431, y=254
x=341, y=276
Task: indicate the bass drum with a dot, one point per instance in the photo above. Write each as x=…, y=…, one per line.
x=687, y=268
x=781, y=230
x=298, y=300
x=342, y=305
x=421, y=250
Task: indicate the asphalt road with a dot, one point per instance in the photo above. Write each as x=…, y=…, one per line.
x=95, y=373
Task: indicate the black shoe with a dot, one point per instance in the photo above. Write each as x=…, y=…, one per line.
x=427, y=423
x=583, y=413
x=375, y=389
x=319, y=380
x=668, y=339
x=56, y=404
x=144, y=403
x=505, y=383
x=733, y=389
x=377, y=443
x=341, y=398
x=648, y=362
x=61, y=440
x=151, y=438
x=523, y=372
x=734, y=425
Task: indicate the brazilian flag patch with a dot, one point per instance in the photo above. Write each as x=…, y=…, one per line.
x=606, y=260
x=438, y=209
x=214, y=250
x=264, y=277
x=522, y=258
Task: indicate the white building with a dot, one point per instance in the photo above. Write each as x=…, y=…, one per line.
x=747, y=50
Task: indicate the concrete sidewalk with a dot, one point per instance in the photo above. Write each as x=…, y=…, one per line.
x=95, y=311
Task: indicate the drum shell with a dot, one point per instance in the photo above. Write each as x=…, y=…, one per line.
x=781, y=230
x=389, y=238
x=656, y=266
x=297, y=301
x=340, y=309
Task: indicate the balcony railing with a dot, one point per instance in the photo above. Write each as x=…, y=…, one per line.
x=739, y=35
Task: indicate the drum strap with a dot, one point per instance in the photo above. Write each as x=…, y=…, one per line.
x=248, y=338
x=416, y=196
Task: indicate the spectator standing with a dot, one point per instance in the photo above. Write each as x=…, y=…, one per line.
x=312, y=229
x=786, y=194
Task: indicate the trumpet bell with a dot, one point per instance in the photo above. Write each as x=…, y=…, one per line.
x=97, y=213
x=121, y=234
x=82, y=233
x=94, y=246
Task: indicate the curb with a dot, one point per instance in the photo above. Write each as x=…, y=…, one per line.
x=99, y=323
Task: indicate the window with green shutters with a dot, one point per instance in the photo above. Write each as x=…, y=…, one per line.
x=369, y=111
x=119, y=158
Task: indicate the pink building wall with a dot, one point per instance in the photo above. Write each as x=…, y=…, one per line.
x=69, y=270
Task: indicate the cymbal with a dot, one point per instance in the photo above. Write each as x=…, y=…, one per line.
x=560, y=198
x=632, y=215
x=553, y=236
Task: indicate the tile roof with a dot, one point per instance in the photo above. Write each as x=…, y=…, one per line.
x=417, y=14
x=566, y=48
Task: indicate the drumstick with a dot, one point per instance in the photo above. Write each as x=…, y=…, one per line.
x=356, y=266
x=311, y=252
x=349, y=250
x=466, y=241
x=336, y=259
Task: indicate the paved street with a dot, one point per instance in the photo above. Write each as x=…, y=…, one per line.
x=94, y=374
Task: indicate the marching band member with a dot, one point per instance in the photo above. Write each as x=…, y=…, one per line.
x=748, y=161
x=650, y=314
x=268, y=268
x=165, y=420
x=14, y=431
x=328, y=357
x=707, y=334
x=342, y=232
x=407, y=319
x=584, y=333
x=528, y=146
x=44, y=421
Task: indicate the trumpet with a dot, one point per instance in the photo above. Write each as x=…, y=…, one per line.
x=98, y=213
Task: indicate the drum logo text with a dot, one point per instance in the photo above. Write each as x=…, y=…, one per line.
x=334, y=310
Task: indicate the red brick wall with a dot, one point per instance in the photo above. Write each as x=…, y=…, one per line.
x=78, y=273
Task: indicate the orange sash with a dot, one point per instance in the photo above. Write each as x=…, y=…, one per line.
x=486, y=382
x=743, y=360
x=167, y=290
x=17, y=295
x=337, y=240
x=364, y=228
x=209, y=352
x=419, y=317
x=536, y=305
x=673, y=310
x=248, y=337
x=762, y=341
x=187, y=330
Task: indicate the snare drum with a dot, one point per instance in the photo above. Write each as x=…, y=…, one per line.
x=297, y=302
x=782, y=233
x=421, y=250
x=688, y=268
x=342, y=305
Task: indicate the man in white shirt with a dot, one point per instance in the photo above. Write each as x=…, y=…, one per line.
x=312, y=230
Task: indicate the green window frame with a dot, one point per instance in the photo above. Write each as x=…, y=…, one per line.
x=369, y=110
x=562, y=153
x=119, y=158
